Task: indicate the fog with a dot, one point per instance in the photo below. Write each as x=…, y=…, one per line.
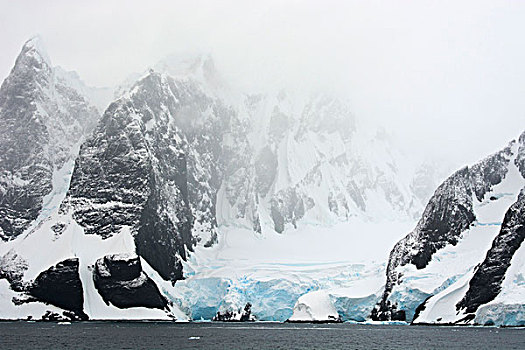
x=447, y=77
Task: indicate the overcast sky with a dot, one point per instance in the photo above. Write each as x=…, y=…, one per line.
x=446, y=76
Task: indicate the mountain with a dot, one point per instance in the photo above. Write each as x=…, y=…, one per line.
x=44, y=116
x=310, y=161
x=153, y=210
x=463, y=262
x=153, y=167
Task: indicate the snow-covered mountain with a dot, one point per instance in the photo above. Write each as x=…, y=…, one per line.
x=188, y=198
x=463, y=263
x=309, y=162
x=44, y=116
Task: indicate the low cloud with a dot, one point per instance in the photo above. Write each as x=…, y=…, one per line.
x=447, y=77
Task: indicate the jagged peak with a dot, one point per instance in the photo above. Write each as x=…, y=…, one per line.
x=150, y=77
x=152, y=81
x=522, y=138
x=158, y=80
x=32, y=64
x=35, y=48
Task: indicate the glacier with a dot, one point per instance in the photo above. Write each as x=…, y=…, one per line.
x=238, y=270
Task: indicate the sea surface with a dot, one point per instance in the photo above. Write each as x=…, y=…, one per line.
x=165, y=335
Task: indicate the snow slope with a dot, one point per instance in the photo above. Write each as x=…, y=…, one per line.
x=508, y=307
x=33, y=250
x=444, y=281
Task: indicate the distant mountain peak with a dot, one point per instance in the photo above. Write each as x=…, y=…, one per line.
x=36, y=49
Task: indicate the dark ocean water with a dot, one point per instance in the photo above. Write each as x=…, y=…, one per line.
x=161, y=335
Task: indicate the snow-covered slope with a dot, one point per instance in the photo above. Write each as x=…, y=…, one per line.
x=459, y=255
x=312, y=162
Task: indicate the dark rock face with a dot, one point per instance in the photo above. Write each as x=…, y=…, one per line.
x=287, y=206
x=41, y=118
x=26, y=172
x=60, y=286
x=388, y=313
x=399, y=315
x=12, y=268
x=154, y=165
x=230, y=316
x=448, y=213
x=121, y=282
x=247, y=313
x=265, y=170
x=55, y=317
x=279, y=125
x=421, y=307
x=520, y=159
x=485, y=285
